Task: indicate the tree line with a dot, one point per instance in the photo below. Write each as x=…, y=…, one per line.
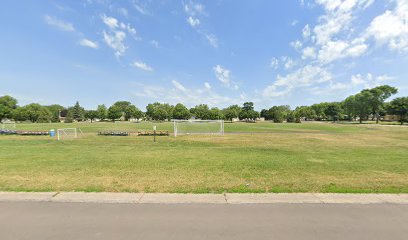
x=369, y=104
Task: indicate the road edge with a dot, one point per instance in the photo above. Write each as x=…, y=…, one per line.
x=225, y=198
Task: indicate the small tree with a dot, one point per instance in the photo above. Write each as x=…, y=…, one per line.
x=91, y=115
x=78, y=112
x=102, y=112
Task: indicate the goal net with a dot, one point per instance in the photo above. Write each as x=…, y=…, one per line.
x=66, y=133
x=8, y=125
x=183, y=127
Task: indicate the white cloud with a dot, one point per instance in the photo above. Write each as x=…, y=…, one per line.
x=334, y=50
x=116, y=40
x=308, y=75
x=88, y=43
x=392, y=27
x=116, y=36
x=222, y=74
x=288, y=62
x=189, y=97
x=64, y=26
x=308, y=52
x=178, y=85
x=207, y=85
x=143, y=66
x=193, y=21
x=331, y=51
x=306, y=31
x=130, y=30
x=358, y=79
x=212, y=39
x=111, y=22
x=274, y=63
x=294, y=22
x=368, y=80
x=296, y=44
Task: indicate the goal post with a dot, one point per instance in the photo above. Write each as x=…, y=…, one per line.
x=209, y=127
x=66, y=133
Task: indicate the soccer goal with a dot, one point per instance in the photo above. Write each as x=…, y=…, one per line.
x=67, y=133
x=184, y=127
x=8, y=125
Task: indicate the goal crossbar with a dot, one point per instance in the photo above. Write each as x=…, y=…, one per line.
x=66, y=133
x=198, y=127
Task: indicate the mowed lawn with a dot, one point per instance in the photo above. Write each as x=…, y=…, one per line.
x=251, y=157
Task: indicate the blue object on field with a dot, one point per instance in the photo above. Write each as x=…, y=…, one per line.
x=52, y=133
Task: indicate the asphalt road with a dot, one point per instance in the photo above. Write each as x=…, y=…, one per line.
x=46, y=220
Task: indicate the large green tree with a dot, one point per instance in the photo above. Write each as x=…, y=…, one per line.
x=232, y=112
x=216, y=114
x=114, y=113
x=399, y=106
x=201, y=111
x=248, y=113
x=131, y=111
x=181, y=112
x=361, y=107
x=305, y=112
x=320, y=109
x=159, y=111
x=55, y=111
x=7, y=105
x=378, y=95
x=349, y=106
x=278, y=113
x=333, y=110
x=36, y=113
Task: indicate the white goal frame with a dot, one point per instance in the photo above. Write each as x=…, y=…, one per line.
x=176, y=123
x=63, y=132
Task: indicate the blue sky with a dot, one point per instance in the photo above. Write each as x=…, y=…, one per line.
x=219, y=52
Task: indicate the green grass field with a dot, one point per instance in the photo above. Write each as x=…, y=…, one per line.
x=258, y=157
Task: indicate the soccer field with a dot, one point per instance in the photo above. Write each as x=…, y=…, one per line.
x=251, y=157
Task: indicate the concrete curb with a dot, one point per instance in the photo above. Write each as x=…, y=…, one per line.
x=227, y=198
